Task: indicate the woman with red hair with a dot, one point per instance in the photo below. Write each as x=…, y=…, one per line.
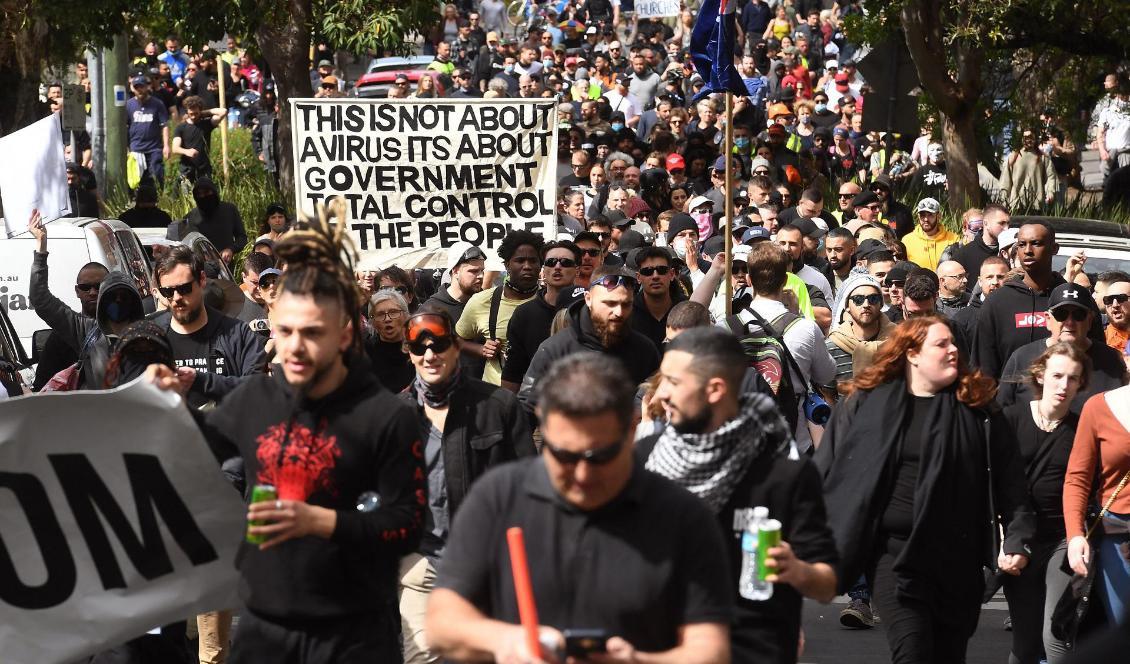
x=918, y=465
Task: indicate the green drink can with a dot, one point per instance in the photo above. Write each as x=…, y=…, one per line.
x=260, y=493
x=768, y=537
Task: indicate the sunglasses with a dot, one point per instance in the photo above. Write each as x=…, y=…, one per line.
x=563, y=262
x=597, y=457
x=329, y=87
x=437, y=345
x=614, y=281
x=591, y=253
x=1117, y=298
x=873, y=299
x=1076, y=314
x=183, y=289
x=661, y=270
x=895, y=284
x=86, y=288
x=846, y=195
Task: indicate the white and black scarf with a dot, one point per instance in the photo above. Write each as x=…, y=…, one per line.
x=710, y=465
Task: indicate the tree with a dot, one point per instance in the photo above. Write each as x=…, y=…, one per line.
x=282, y=32
x=954, y=45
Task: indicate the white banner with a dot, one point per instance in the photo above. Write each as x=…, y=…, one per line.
x=33, y=174
x=115, y=518
x=657, y=8
x=419, y=175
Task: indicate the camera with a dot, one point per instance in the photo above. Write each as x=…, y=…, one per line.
x=816, y=409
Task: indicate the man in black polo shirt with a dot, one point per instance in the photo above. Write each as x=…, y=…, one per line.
x=530, y=325
x=611, y=546
x=735, y=452
x=656, y=297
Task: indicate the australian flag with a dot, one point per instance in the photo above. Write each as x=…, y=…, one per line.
x=712, y=48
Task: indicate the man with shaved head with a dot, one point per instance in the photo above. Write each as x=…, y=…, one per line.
x=952, y=295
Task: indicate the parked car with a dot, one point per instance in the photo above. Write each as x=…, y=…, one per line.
x=72, y=243
x=1106, y=244
x=13, y=360
x=382, y=72
x=154, y=242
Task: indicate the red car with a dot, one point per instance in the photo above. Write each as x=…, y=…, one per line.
x=384, y=71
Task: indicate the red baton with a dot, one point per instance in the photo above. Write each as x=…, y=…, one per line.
x=524, y=589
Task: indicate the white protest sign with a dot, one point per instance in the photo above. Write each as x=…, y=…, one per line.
x=37, y=178
x=657, y=8
x=420, y=175
x=115, y=518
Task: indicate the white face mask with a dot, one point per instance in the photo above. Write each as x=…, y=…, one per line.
x=681, y=247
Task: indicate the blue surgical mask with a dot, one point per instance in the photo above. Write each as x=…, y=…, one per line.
x=547, y=63
x=820, y=108
x=741, y=142
x=617, y=126
x=509, y=69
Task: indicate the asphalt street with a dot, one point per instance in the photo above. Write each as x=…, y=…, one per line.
x=828, y=643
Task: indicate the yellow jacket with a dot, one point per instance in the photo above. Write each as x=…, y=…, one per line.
x=924, y=250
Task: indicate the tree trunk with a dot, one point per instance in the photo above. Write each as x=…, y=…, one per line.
x=286, y=47
x=962, y=182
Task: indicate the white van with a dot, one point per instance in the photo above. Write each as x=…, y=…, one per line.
x=72, y=243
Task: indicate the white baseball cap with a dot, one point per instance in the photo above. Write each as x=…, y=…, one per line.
x=699, y=200
x=1007, y=238
x=928, y=205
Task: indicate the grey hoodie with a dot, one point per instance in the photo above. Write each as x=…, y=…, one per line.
x=91, y=338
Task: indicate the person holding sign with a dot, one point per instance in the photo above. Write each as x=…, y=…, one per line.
x=488, y=312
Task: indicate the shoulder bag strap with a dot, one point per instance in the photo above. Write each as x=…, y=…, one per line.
x=495, y=303
x=1109, y=501
x=772, y=331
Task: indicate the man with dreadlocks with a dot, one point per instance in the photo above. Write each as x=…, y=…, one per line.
x=734, y=451
x=346, y=458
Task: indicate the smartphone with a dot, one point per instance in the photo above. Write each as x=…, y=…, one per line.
x=583, y=642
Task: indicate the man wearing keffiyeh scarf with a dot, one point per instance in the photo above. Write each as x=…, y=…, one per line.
x=735, y=452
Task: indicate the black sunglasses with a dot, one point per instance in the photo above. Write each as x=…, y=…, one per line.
x=591, y=253
x=895, y=284
x=437, y=345
x=1076, y=314
x=597, y=457
x=86, y=288
x=661, y=270
x=614, y=281
x=873, y=299
x=183, y=289
x=563, y=262
x=846, y=195
x=1120, y=298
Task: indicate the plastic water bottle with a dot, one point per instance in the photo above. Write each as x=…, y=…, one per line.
x=748, y=585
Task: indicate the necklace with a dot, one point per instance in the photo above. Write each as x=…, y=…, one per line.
x=1043, y=423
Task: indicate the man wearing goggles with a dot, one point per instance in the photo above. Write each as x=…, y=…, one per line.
x=468, y=426
x=602, y=325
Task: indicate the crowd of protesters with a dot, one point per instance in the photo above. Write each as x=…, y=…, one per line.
x=915, y=405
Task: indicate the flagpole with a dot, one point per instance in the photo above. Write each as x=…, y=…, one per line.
x=728, y=149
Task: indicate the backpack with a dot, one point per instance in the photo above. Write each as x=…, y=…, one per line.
x=767, y=353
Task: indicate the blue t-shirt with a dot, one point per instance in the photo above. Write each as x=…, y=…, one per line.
x=145, y=121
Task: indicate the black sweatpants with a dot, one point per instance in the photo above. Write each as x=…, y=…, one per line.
x=361, y=639
x=916, y=633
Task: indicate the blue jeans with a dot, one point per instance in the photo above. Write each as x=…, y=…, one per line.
x=1115, y=568
x=155, y=167
x=861, y=590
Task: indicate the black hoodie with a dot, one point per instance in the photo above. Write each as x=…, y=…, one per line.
x=1011, y=317
x=636, y=351
x=222, y=225
x=327, y=452
x=91, y=338
x=971, y=256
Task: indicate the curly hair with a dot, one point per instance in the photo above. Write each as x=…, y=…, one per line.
x=518, y=238
x=1035, y=372
x=974, y=389
x=319, y=261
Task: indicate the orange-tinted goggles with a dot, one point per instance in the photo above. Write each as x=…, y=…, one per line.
x=423, y=325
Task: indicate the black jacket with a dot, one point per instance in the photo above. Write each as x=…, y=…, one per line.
x=224, y=227
x=327, y=452
x=485, y=427
x=954, y=529
x=241, y=348
x=86, y=336
x=971, y=256
x=636, y=351
x=967, y=316
x=1011, y=317
x=528, y=327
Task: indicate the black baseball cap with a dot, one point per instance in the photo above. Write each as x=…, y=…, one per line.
x=1065, y=295
x=809, y=227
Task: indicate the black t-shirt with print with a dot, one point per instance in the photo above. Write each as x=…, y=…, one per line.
x=194, y=351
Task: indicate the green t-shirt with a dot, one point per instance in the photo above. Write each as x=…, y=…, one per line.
x=475, y=323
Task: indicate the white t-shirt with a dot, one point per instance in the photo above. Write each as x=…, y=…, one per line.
x=1116, y=119
x=814, y=278
x=619, y=102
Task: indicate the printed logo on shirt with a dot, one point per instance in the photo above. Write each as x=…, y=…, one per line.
x=297, y=460
x=1032, y=319
x=214, y=365
x=141, y=116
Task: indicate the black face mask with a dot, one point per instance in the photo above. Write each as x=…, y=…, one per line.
x=207, y=204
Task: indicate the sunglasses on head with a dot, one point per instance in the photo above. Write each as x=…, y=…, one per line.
x=1117, y=298
x=86, y=288
x=614, y=281
x=873, y=299
x=1076, y=314
x=399, y=289
x=597, y=457
x=563, y=262
x=183, y=289
x=591, y=253
x=661, y=270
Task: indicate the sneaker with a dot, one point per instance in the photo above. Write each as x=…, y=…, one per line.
x=857, y=615
x=1007, y=626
